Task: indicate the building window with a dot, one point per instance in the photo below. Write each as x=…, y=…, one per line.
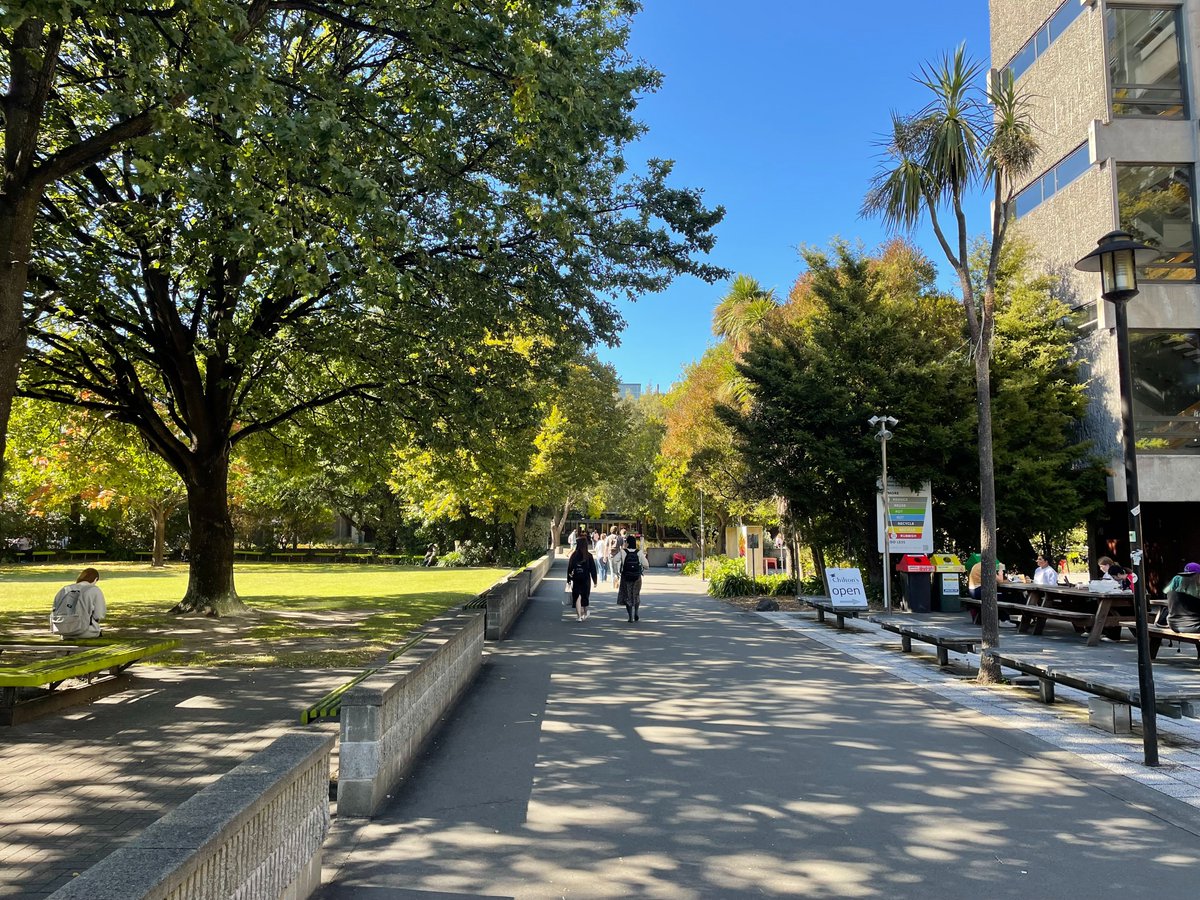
x=1144, y=67
x=1155, y=206
x=1166, y=390
x=1056, y=178
x=1044, y=37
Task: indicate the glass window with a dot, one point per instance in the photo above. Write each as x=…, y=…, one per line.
x=1058, y=177
x=1155, y=205
x=1166, y=390
x=1049, y=32
x=1144, y=62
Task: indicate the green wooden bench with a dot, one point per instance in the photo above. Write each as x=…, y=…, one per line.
x=85, y=555
x=44, y=554
x=145, y=554
x=330, y=706
x=360, y=557
x=247, y=555
x=50, y=673
x=327, y=555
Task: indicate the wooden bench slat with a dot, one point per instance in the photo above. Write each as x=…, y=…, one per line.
x=95, y=659
x=330, y=706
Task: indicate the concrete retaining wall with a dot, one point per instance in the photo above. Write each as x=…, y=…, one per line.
x=507, y=600
x=660, y=556
x=254, y=834
x=386, y=717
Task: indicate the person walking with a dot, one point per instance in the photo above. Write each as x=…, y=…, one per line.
x=600, y=549
x=581, y=574
x=79, y=608
x=633, y=564
x=614, y=553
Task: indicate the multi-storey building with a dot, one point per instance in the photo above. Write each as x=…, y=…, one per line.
x=1114, y=87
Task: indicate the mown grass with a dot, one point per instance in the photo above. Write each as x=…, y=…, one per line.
x=304, y=615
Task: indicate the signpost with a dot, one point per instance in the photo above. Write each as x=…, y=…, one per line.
x=846, y=588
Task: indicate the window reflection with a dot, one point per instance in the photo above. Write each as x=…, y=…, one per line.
x=1166, y=390
x=1144, y=63
x=1155, y=206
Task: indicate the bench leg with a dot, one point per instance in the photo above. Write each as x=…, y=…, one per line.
x=1109, y=715
x=943, y=656
x=841, y=621
x=1155, y=643
x=906, y=643
x=8, y=697
x=1046, y=690
x=820, y=614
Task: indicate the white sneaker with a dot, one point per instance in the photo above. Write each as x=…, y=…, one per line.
x=1007, y=624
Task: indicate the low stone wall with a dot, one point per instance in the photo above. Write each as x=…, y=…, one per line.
x=387, y=716
x=658, y=557
x=507, y=600
x=256, y=832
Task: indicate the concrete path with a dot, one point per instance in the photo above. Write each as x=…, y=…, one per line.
x=705, y=752
x=77, y=784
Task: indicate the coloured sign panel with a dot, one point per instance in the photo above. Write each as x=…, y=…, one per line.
x=846, y=588
x=910, y=516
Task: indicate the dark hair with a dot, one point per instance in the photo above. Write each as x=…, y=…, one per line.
x=631, y=541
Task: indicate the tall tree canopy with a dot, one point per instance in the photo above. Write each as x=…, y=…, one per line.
x=419, y=204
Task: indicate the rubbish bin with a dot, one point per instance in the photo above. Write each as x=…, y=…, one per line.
x=947, y=586
x=915, y=575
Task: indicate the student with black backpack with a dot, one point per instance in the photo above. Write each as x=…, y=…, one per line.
x=581, y=575
x=633, y=564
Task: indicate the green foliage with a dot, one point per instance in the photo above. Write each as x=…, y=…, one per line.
x=776, y=585
x=712, y=565
x=813, y=586
x=731, y=582
x=873, y=336
x=452, y=560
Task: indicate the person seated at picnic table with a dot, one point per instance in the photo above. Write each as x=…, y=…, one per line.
x=431, y=556
x=1111, y=571
x=1183, y=600
x=975, y=588
x=1045, y=573
x=79, y=608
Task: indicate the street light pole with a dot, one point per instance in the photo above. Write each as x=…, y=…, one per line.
x=702, y=575
x=882, y=436
x=1116, y=258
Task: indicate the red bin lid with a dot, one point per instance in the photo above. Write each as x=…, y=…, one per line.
x=914, y=563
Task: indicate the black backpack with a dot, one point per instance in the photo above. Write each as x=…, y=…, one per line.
x=631, y=566
x=581, y=572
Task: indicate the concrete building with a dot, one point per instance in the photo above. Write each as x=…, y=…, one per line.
x=1115, y=89
x=629, y=390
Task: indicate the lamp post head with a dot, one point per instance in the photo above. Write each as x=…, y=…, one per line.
x=1117, y=257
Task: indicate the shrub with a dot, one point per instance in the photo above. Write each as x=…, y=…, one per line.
x=813, y=586
x=776, y=585
x=452, y=560
x=731, y=583
x=712, y=565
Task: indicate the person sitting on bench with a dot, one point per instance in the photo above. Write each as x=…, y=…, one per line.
x=79, y=608
x=1183, y=600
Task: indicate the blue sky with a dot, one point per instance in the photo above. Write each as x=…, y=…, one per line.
x=774, y=108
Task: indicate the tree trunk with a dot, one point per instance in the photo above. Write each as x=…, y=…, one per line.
x=210, y=557
x=660, y=534
x=989, y=669
x=519, y=529
x=721, y=520
x=159, y=513
x=556, y=524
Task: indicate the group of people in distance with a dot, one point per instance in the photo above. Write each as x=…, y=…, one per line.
x=612, y=558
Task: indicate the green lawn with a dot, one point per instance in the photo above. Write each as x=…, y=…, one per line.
x=304, y=614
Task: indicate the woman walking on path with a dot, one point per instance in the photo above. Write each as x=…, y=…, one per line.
x=633, y=563
x=581, y=575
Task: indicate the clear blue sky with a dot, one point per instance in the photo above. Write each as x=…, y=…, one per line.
x=775, y=108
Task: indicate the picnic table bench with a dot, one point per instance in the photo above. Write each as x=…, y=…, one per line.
x=824, y=605
x=1033, y=618
x=1067, y=602
x=942, y=637
x=43, y=554
x=50, y=673
x=255, y=555
x=1117, y=683
x=330, y=706
x=1160, y=633
x=327, y=555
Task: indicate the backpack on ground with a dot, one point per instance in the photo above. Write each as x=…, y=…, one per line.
x=631, y=566
x=69, y=616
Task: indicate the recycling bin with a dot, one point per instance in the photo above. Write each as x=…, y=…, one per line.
x=916, y=573
x=947, y=587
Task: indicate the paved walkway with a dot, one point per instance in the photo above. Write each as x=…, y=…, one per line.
x=706, y=752
x=77, y=784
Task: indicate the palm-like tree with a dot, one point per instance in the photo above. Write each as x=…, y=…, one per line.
x=742, y=312
x=966, y=137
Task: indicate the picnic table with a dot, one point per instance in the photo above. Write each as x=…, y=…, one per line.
x=85, y=555
x=1100, y=612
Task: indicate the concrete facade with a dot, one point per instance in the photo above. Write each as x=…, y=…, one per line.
x=1069, y=86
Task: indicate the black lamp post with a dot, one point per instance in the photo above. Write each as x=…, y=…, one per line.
x=1116, y=258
